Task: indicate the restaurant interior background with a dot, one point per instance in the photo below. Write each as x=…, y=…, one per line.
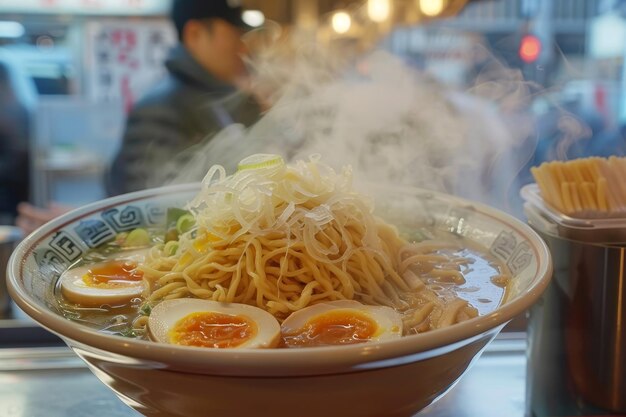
x=79, y=65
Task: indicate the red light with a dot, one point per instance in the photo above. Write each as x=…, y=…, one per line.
x=530, y=49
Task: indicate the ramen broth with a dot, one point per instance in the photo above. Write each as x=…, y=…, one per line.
x=483, y=285
x=481, y=288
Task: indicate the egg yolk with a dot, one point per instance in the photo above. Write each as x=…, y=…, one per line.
x=213, y=330
x=340, y=327
x=116, y=274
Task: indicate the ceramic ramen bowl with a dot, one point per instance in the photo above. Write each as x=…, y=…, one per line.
x=391, y=378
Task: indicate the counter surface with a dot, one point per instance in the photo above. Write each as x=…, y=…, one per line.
x=53, y=382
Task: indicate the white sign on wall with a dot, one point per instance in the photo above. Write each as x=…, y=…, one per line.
x=87, y=7
x=124, y=59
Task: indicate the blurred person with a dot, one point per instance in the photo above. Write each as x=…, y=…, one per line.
x=565, y=130
x=14, y=139
x=569, y=131
x=200, y=96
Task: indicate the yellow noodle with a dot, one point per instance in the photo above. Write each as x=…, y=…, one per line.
x=312, y=239
x=589, y=187
x=578, y=207
x=455, y=276
x=608, y=186
x=617, y=188
x=450, y=313
x=548, y=187
x=602, y=198
x=567, y=198
x=419, y=315
x=589, y=192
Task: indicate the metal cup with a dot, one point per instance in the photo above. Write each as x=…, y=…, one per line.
x=577, y=331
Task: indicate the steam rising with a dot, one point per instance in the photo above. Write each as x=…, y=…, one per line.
x=392, y=123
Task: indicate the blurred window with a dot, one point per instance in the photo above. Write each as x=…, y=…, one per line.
x=51, y=67
x=49, y=78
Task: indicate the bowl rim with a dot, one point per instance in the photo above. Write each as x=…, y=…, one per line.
x=274, y=362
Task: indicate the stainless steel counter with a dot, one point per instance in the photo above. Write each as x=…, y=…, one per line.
x=53, y=382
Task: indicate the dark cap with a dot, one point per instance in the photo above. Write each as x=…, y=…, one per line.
x=228, y=10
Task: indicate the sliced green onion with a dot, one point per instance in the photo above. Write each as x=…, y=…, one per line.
x=185, y=223
x=128, y=333
x=171, y=248
x=171, y=235
x=138, y=237
x=146, y=309
x=260, y=161
x=173, y=214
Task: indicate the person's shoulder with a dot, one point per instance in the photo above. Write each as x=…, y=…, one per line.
x=161, y=102
x=171, y=94
x=160, y=94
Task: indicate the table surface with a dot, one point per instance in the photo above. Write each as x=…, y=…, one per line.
x=53, y=382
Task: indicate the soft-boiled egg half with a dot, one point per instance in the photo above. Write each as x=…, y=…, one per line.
x=340, y=323
x=211, y=324
x=113, y=282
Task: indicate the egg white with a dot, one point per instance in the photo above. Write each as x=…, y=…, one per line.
x=388, y=321
x=74, y=289
x=166, y=314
